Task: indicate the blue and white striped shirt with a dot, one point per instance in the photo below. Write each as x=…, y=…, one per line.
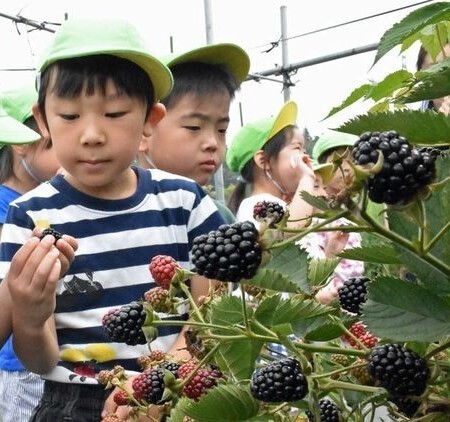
x=116, y=241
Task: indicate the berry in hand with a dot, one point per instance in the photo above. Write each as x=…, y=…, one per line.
x=124, y=325
x=162, y=268
x=329, y=412
x=279, y=381
x=405, y=170
x=269, y=212
x=57, y=235
x=230, y=253
x=399, y=370
x=352, y=294
x=149, y=386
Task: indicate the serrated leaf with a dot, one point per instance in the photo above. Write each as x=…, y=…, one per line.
x=403, y=311
x=224, y=403
x=411, y=24
x=316, y=201
x=273, y=280
x=321, y=269
x=357, y=94
x=381, y=253
x=324, y=332
x=419, y=127
x=296, y=308
x=390, y=84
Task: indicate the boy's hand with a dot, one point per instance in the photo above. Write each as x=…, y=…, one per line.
x=67, y=246
x=32, y=279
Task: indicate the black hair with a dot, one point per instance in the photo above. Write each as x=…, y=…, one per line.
x=201, y=79
x=421, y=57
x=271, y=150
x=91, y=73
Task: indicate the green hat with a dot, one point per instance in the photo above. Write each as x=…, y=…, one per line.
x=253, y=136
x=231, y=56
x=19, y=102
x=14, y=132
x=330, y=140
x=84, y=37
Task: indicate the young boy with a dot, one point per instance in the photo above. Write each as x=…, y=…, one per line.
x=98, y=96
x=191, y=139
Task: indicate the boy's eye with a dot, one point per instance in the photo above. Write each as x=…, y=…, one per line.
x=115, y=115
x=192, y=127
x=69, y=116
x=223, y=131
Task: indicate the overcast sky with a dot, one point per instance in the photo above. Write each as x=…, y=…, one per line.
x=254, y=25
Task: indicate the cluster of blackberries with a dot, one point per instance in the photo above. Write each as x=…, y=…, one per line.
x=230, y=253
x=352, y=294
x=329, y=412
x=279, y=381
x=124, y=325
x=405, y=170
x=399, y=370
x=269, y=212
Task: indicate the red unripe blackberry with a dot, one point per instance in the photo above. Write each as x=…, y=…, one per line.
x=352, y=294
x=359, y=330
x=329, y=412
x=159, y=299
x=230, y=253
x=162, y=268
x=124, y=325
x=121, y=398
x=149, y=386
x=57, y=235
x=399, y=370
x=279, y=381
x=270, y=212
x=203, y=380
x=405, y=170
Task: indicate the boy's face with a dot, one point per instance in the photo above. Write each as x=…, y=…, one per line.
x=191, y=139
x=96, y=138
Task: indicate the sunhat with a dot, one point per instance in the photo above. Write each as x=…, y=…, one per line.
x=85, y=37
x=332, y=139
x=14, y=132
x=18, y=102
x=252, y=137
x=231, y=56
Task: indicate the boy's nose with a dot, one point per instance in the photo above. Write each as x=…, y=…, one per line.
x=93, y=134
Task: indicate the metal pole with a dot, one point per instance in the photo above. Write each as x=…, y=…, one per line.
x=218, y=175
x=284, y=52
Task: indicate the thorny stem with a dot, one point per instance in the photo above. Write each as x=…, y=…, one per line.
x=338, y=371
x=341, y=385
x=329, y=349
x=244, y=309
x=437, y=350
x=194, y=306
x=432, y=242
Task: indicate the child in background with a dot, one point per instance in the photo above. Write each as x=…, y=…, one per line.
x=22, y=168
x=98, y=96
x=270, y=157
x=191, y=140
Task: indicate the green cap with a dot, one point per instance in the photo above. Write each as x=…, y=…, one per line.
x=14, y=132
x=252, y=137
x=19, y=102
x=230, y=56
x=84, y=37
x=330, y=140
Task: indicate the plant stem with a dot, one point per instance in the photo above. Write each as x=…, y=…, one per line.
x=422, y=226
x=341, y=385
x=437, y=350
x=436, y=238
x=329, y=349
x=194, y=306
x=244, y=309
x=338, y=371
x=195, y=324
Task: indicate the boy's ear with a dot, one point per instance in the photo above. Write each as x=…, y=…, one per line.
x=41, y=122
x=259, y=157
x=156, y=114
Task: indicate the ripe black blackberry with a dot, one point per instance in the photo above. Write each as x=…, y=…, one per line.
x=434, y=152
x=57, y=235
x=279, y=381
x=399, y=370
x=329, y=412
x=352, y=294
x=405, y=405
x=405, y=170
x=149, y=386
x=269, y=212
x=230, y=253
x=124, y=325
x=171, y=367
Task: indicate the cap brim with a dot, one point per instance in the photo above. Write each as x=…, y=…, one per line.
x=331, y=140
x=231, y=56
x=286, y=117
x=14, y=132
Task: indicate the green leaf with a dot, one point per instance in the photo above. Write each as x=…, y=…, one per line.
x=273, y=280
x=292, y=263
x=224, y=403
x=411, y=24
x=382, y=253
x=419, y=127
x=321, y=269
x=404, y=311
x=297, y=307
x=358, y=93
x=316, y=201
x=390, y=84
x=324, y=332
